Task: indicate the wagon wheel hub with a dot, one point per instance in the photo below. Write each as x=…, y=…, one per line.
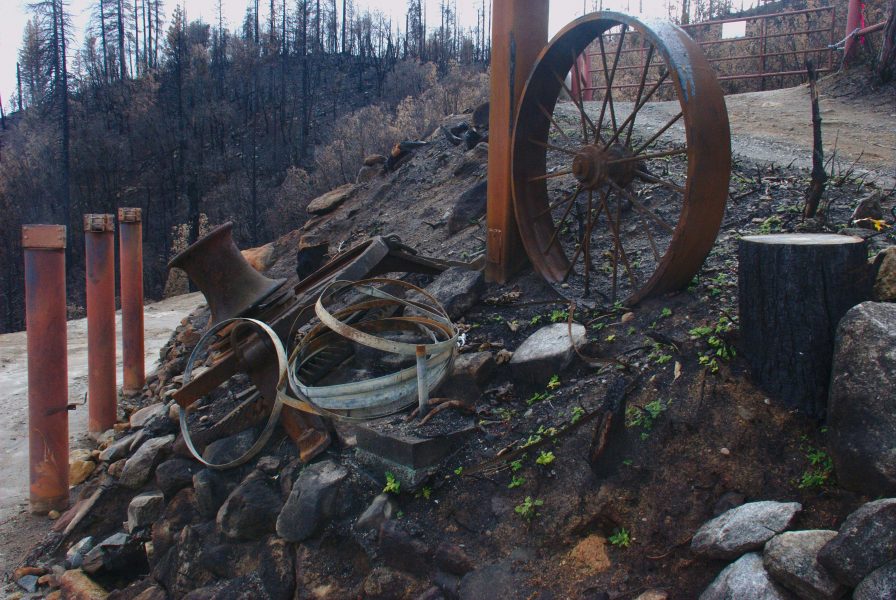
x=594, y=166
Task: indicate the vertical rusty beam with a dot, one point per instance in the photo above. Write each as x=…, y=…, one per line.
x=854, y=20
x=519, y=32
x=44, y=249
x=102, y=395
x=833, y=41
x=130, y=238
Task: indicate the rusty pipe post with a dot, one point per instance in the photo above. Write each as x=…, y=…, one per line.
x=519, y=32
x=130, y=256
x=102, y=393
x=44, y=250
x=855, y=19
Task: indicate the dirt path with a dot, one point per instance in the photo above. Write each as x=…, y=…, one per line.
x=160, y=320
x=775, y=127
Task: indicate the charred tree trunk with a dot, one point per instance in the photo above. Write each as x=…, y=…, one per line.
x=886, y=66
x=819, y=175
x=793, y=289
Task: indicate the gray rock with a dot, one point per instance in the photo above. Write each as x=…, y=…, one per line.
x=866, y=541
x=869, y=207
x=212, y=489
x=229, y=449
x=400, y=550
x=744, y=528
x=457, y=290
x=175, y=474
x=880, y=583
x=745, y=579
x=546, y=352
x=142, y=416
x=367, y=173
x=862, y=404
x=885, y=280
x=379, y=511
x=118, y=449
x=477, y=366
x=791, y=559
x=74, y=556
x=28, y=583
x=469, y=206
x=250, y=512
x=451, y=558
x=139, y=466
x=118, y=553
x=331, y=200
x=491, y=581
x=270, y=559
x=314, y=499
x=144, y=509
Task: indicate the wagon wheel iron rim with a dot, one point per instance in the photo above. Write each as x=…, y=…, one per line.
x=628, y=213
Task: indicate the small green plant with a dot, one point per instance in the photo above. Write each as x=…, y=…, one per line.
x=393, y=486
x=820, y=469
x=610, y=338
x=535, y=320
x=627, y=462
x=621, y=538
x=528, y=508
x=577, y=413
x=632, y=330
x=516, y=481
x=719, y=349
x=558, y=316
x=426, y=492
x=537, y=397
x=666, y=312
x=771, y=224
x=644, y=418
x=545, y=458
x=459, y=471
x=554, y=382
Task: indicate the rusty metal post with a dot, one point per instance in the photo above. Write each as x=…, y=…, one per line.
x=855, y=19
x=44, y=249
x=102, y=393
x=763, y=33
x=130, y=238
x=519, y=32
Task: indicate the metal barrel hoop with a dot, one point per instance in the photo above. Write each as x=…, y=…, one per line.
x=276, y=409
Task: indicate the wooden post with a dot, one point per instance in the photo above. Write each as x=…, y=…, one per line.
x=793, y=289
x=519, y=32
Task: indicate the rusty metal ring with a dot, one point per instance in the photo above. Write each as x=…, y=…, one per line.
x=603, y=169
x=273, y=418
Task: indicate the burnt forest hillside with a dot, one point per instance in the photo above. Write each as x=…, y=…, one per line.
x=196, y=124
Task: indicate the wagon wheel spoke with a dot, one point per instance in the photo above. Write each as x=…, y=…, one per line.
x=631, y=117
x=666, y=184
x=570, y=198
x=609, y=77
x=659, y=132
x=552, y=147
x=638, y=107
x=582, y=114
x=550, y=118
x=640, y=157
x=639, y=206
x=551, y=175
x=559, y=227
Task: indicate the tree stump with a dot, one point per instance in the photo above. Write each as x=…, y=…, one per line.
x=793, y=289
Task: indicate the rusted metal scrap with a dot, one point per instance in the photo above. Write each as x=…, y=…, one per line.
x=241, y=342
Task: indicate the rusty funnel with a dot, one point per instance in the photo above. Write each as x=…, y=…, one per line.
x=229, y=283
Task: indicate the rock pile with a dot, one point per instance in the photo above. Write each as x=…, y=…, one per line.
x=775, y=564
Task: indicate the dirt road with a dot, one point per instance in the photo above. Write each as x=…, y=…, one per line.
x=160, y=320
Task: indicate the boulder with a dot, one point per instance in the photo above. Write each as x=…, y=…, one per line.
x=79, y=470
x=314, y=499
x=250, y=512
x=74, y=556
x=180, y=512
x=118, y=449
x=179, y=569
x=744, y=528
x=144, y=509
x=118, y=553
x=468, y=207
x=230, y=448
x=142, y=416
x=869, y=207
x=374, y=160
x=492, y=581
x=880, y=583
x=791, y=558
x=379, y=511
x=400, y=550
x=212, y=489
x=331, y=200
x=366, y=173
x=862, y=403
x=885, y=281
x=476, y=366
x=546, y=352
x=175, y=474
x=139, y=466
x=746, y=578
x=451, y=558
x=866, y=541
x=388, y=584
x=457, y=290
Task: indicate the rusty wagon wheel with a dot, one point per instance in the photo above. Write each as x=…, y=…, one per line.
x=611, y=201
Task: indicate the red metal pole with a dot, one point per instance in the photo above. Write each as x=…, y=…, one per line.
x=130, y=237
x=854, y=20
x=102, y=394
x=519, y=32
x=44, y=249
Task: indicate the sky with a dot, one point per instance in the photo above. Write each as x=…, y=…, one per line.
x=14, y=14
